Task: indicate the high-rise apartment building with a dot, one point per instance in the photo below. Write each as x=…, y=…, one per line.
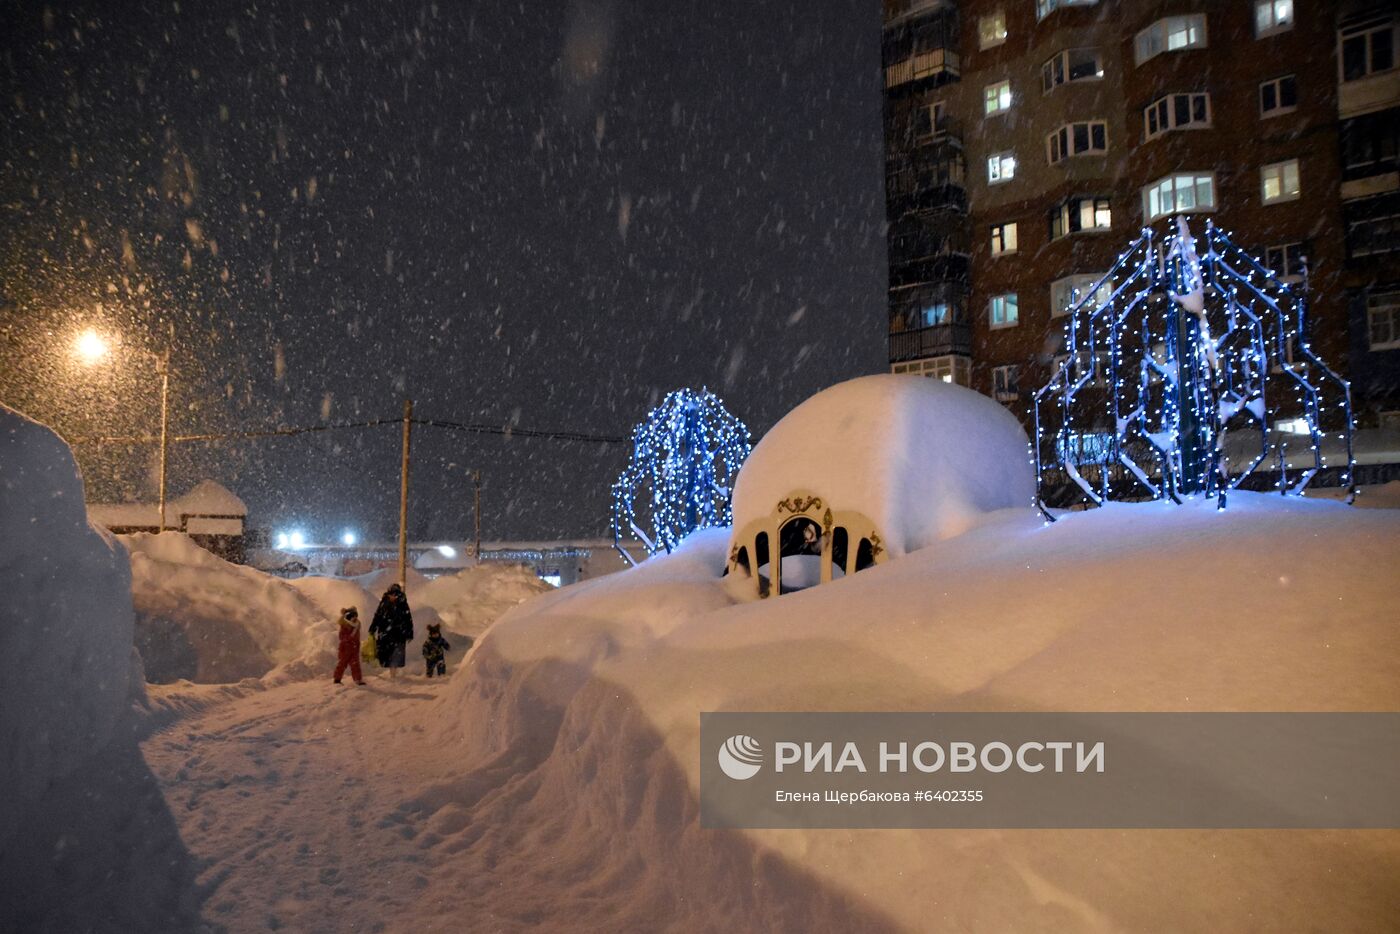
x=1029, y=141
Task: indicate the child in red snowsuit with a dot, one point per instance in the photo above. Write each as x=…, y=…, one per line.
x=349, y=626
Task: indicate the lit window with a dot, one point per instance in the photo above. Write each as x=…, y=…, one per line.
x=1177, y=112
x=952, y=368
x=1172, y=34
x=1071, y=65
x=1044, y=8
x=997, y=97
x=1286, y=260
x=1077, y=139
x=1003, y=239
x=1279, y=182
x=1001, y=167
x=1278, y=96
x=1177, y=193
x=937, y=313
x=1383, y=320
x=991, y=30
x=1001, y=310
x=1084, y=447
x=1078, y=214
x=1066, y=292
x=1271, y=16
x=1005, y=386
x=1368, y=48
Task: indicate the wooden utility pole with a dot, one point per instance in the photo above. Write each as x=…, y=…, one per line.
x=164, y=432
x=403, y=495
x=476, y=514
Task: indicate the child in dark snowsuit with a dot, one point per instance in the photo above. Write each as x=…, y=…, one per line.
x=434, y=646
x=349, y=650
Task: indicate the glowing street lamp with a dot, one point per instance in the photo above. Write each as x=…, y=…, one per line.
x=91, y=348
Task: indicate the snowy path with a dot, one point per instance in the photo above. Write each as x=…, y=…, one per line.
x=312, y=807
x=292, y=801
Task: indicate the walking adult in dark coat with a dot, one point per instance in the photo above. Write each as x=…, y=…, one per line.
x=392, y=628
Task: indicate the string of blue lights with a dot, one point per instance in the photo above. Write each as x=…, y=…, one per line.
x=1169, y=353
x=680, y=477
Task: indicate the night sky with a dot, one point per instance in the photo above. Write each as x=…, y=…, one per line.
x=545, y=214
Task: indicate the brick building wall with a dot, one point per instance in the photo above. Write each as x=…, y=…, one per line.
x=1214, y=59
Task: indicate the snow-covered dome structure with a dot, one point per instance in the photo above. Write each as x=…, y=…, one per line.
x=869, y=469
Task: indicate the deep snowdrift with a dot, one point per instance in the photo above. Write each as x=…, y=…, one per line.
x=86, y=842
x=202, y=619
x=65, y=620
x=471, y=600
x=921, y=458
x=586, y=704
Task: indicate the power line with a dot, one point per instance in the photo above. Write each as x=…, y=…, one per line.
x=510, y=431
x=238, y=435
x=507, y=431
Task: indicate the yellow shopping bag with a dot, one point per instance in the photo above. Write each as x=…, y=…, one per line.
x=368, y=650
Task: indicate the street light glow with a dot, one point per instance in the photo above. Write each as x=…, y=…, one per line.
x=90, y=346
x=348, y=538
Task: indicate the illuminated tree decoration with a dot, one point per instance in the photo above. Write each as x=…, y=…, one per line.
x=685, y=457
x=1170, y=354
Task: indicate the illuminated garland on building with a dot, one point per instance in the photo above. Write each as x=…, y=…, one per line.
x=685, y=457
x=1168, y=354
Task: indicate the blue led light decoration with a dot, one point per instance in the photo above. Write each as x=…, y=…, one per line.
x=685, y=457
x=1179, y=363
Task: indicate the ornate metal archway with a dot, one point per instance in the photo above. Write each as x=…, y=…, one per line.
x=1167, y=355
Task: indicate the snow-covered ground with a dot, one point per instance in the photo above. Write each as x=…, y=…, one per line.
x=550, y=782
x=200, y=618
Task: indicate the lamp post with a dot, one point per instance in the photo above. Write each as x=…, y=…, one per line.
x=91, y=347
x=163, y=368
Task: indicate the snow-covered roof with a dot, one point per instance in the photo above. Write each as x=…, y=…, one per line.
x=208, y=499
x=923, y=459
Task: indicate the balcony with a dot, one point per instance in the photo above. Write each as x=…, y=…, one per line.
x=943, y=131
x=907, y=271
x=938, y=340
x=933, y=63
x=920, y=47
x=925, y=181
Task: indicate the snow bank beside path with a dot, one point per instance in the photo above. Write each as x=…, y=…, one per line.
x=577, y=721
x=86, y=842
x=200, y=618
x=471, y=600
x=65, y=620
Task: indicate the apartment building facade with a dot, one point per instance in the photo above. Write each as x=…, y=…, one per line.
x=1029, y=141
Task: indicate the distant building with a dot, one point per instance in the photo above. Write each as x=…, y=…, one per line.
x=1028, y=141
x=557, y=562
x=212, y=516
